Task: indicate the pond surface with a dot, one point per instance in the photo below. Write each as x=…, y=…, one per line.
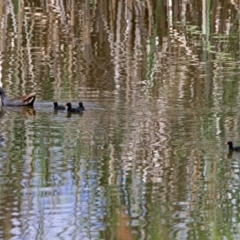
x=147, y=159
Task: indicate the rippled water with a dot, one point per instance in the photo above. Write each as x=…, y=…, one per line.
x=147, y=159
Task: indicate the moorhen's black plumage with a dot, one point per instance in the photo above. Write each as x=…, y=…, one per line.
x=26, y=100
x=81, y=107
x=58, y=107
x=72, y=110
x=231, y=147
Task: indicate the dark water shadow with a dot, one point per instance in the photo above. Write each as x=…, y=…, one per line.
x=69, y=114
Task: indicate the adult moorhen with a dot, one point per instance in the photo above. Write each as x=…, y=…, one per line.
x=26, y=100
x=231, y=147
x=58, y=107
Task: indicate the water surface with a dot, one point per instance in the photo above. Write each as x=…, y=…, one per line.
x=147, y=159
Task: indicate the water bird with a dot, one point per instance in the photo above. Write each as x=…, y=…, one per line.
x=231, y=147
x=72, y=110
x=58, y=107
x=26, y=100
x=81, y=107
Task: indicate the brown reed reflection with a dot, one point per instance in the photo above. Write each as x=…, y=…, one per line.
x=123, y=231
x=121, y=28
x=166, y=74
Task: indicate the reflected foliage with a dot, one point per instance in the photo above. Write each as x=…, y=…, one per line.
x=160, y=80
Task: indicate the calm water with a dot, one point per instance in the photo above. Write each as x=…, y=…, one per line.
x=147, y=160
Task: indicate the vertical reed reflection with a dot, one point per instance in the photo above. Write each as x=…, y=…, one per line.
x=160, y=80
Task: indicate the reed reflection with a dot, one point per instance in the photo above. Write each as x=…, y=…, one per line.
x=166, y=79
